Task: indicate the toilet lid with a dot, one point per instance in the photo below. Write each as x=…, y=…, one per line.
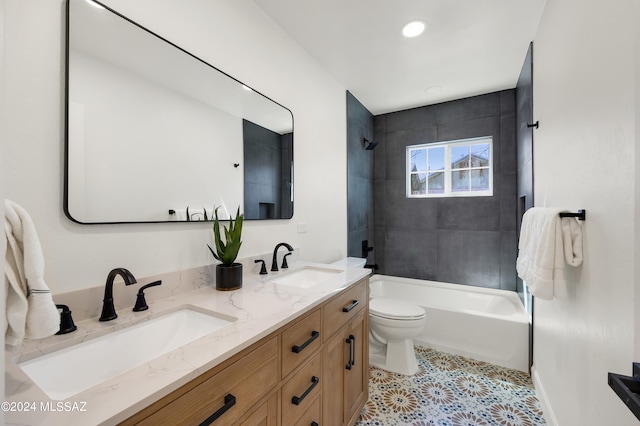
x=395, y=309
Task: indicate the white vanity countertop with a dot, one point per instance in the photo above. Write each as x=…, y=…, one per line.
x=259, y=306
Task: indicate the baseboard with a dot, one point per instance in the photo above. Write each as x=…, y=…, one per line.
x=549, y=417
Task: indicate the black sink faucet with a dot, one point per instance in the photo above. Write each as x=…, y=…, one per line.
x=274, y=263
x=108, y=310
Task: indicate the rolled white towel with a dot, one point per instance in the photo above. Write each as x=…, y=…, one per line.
x=30, y=309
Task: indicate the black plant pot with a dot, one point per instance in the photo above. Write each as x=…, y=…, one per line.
x=229, y=277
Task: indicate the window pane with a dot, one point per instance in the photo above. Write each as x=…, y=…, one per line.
x=436, y=158
x=418, y=183
x=480, y=180
x=418, y=160
x=460, y=157
x=460, y=181
x=436, y=183
x=480, y=155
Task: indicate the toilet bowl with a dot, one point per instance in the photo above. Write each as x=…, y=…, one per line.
x=393, y=324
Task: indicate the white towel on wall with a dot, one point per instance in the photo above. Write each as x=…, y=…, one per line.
x=30, y=310
x=547, y=241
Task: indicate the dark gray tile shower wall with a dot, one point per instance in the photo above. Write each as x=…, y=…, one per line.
x=465, y=240
x=360, y=190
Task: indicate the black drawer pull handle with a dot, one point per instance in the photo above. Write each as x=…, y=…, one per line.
x=229, y=401
x=297, y=349
x=350, y=307
x=351, y=341
x=314, y=424
x=296, y=400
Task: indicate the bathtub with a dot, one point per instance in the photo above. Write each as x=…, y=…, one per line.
x=483, y=324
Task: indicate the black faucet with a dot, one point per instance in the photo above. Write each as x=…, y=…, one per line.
x=108, y=310
x=66, y=321
x=141, y=302
x=263, y=268
x=274, y=263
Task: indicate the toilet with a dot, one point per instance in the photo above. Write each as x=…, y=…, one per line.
x=393, y=324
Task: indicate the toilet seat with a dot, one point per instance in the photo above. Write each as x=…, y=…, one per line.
x=395, y=309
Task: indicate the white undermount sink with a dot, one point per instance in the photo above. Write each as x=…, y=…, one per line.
x=306, y=277
x=74, y=369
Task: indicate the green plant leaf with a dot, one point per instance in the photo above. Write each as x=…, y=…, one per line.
x=227, y=251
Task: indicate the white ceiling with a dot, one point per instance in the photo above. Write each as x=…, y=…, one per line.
x=470, y=47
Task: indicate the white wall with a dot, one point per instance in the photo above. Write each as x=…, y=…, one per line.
x=584, y=151
x=235, y=36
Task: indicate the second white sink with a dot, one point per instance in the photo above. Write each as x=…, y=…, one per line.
x=306, y=277
x=74, y=369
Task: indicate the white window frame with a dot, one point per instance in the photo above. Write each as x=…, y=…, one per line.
x=448, y=145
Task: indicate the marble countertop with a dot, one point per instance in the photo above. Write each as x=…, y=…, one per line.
x=260, y=307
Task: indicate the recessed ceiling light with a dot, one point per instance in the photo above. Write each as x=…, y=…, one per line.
x=413, y=29
x=432, y=89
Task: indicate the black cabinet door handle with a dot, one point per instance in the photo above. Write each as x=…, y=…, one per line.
x=297, y=349
x=351, y=340
x=352, y=353
x=296, y=400
x=229, y=401
x=350, y=307
x=314, y=424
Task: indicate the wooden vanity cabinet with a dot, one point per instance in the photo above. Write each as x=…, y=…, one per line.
x=312, y=371
x=226, y=392
x=346, y=356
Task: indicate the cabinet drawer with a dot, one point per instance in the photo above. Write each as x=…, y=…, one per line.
x=311, y=416
x=300, y=341
x=344, y=307
x=265, y=415
x=246, y=380
x=300, y=392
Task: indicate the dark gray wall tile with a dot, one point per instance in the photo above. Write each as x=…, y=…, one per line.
x=401, y=212
x=486, y=126
x=469, y=108
x=410, y=119
x=508, y=202
x=360, y=172
x=469, y=257
x=360, y=192
x=469, y=213
x=507, y=102
x=508, y=156
x=406, y=256
x=508, y=256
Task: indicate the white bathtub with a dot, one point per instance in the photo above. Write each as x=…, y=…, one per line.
x=483, y=324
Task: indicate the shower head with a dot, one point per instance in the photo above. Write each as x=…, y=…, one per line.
x=368, y=145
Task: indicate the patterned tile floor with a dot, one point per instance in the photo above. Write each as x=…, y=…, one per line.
x=451, y=390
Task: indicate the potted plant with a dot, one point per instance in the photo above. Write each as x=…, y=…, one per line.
x=228, y=272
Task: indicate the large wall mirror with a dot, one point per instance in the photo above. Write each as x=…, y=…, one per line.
x=155, y=134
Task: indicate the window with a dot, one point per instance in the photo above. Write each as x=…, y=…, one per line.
x=450, y=169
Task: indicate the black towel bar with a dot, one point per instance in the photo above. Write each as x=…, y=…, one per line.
x=581, y=215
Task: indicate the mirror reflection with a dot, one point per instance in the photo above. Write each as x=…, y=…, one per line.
x=155, y=134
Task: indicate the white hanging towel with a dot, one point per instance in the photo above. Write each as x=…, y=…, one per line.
x=547, y=242
x=30, y=310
